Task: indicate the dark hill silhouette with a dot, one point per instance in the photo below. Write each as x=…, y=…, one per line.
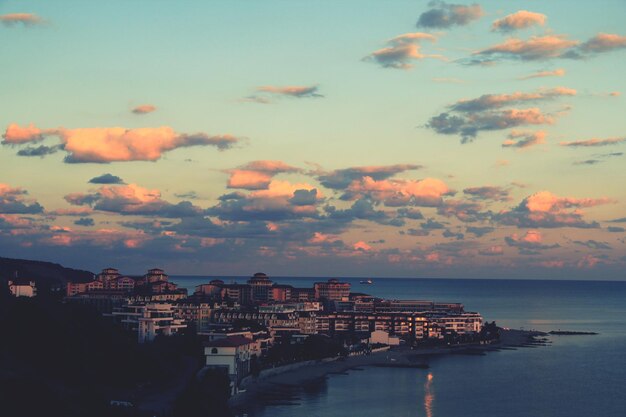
x=44, y=273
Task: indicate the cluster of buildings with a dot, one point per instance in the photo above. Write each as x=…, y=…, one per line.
x=239, y=322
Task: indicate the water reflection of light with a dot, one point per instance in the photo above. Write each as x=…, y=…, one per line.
x=428, y=395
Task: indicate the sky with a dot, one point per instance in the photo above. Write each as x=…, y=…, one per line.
x=353, y=138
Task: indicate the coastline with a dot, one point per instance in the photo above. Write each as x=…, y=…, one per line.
x=281, y=388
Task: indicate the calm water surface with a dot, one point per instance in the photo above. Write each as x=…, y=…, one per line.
x=575, y=376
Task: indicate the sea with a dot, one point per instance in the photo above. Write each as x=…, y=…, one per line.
x=574, y=376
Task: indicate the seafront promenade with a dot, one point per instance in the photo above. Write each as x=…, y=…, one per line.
x=281, y=388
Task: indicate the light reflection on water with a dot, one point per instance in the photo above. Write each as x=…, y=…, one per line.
x=429, y=396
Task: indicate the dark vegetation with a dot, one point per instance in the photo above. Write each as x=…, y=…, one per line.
x=66, y=360
x=314, y=347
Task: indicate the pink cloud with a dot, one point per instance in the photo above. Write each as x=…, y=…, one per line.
x=291, y=90
x=588, y=262
x=604, y=42
x=493, y=101
x=545, y=201
x=117, y=143
x=249, y=180
x=16, y=134
x=519, y=20
x=401, y=50
x=361, y=246
x=559, y=72
x=535, y=48
x=26, y=19
x=394, y=192
x=257, y=175
x=594, y=142
x=524, y=139
x=132, y=199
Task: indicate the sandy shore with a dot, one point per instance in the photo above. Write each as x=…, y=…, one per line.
x=282, y=388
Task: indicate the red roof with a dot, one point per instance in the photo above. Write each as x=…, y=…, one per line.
x=230, y=341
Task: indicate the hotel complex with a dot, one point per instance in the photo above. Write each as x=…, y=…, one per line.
x=240, y=322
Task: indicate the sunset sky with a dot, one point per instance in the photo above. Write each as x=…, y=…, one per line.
x=330, y=138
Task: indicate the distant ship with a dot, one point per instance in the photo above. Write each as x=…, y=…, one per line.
x=366, y=281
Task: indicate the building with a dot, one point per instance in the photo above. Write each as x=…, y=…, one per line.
x=149, y=320
x=231, y=354
x=332, y=290
x=22, y=288
x=260, y=287
x=383, y=337
x=104, y=301
x=196, y=312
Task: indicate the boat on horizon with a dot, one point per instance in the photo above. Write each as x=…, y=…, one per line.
x=366, y=281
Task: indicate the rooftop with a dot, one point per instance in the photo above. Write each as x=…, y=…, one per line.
x=230, y=341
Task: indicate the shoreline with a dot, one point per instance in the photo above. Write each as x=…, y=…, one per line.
x=280, y=389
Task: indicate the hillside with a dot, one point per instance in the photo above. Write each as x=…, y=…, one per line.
x=41, y=272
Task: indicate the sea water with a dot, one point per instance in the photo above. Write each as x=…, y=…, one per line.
x=574, y=376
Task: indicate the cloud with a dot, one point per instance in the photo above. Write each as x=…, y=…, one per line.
x=530, y=243
x=537, y=48
x=469, y=126
x=291, y=91
x=189, y=195
x=102, y=145
x=132, y=199
x=593, y=244
x=14, y=201
x=84, y=221
x=257, y=175
x=540, y=48
x=342, y=178
x=465, y=211
x=25, y=19
x=16, y=134
x=604, y=42
x=547, y=210
x=442, y=15
x=559, y=72
x=524, y=139
x=401, y=50
x=496, y=101
x=468, y=117
x=430, y=224
x=304, y=197
x=587, y=162
x=495, y=250
x=41, y=150
x=361, y=246
x=488, y=193
x=522, y=19
x=410, y=213
x=144, y=109
x=480, y=231
x=427, y=192
x=593, y=142
x=106, y=179
x=281, y=200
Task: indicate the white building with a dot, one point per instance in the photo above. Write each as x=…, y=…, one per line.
x=149, y=320
x=381, y=336
x=462, y=323
x=231, y=354
x=21, y=288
